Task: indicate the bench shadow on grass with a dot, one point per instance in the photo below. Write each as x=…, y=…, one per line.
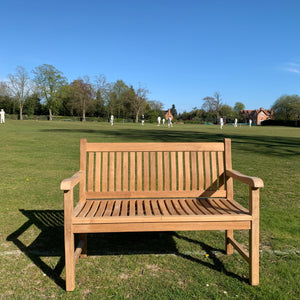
x=50, y=243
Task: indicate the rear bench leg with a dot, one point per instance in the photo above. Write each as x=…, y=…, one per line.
x=83, y=238
x=228, y=246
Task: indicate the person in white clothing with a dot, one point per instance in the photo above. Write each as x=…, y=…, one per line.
x=158, y=120
x=164, y=120
x=112, y=120
x=221, y=123
x=235, y=122
x=2, y=116
x=250, y=123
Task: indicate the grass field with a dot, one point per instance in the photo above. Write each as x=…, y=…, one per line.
x=35, y=156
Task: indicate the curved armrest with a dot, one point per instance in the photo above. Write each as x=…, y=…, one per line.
x=69, y=183
x=254, y=182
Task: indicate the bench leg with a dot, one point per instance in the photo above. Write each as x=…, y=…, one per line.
x=228, y=246
x=83, y=237
x=69, y=261
x=254, y=254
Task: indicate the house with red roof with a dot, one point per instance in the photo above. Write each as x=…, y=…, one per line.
x=257, y=115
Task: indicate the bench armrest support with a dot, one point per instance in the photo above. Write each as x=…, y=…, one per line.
x=253, y=182
x=69, y=183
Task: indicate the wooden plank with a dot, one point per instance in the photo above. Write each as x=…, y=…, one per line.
x=151, y=194
x=91, y=172
x=109, y=208
x=125, y=171
x=200, y=171
x=85, y=209
x=139, y=171
x=132, y=171
x=178, y=207
x=187, y=170
x=159, y=171
x=185, y=206
x=111, y=178
x=140, y=147
x=125, y=206
x=153, y=170
x=170, y=207
x=94, y=208
x=207, y=170
x=147, y=207
x=118, y=171
x=180, y=171
x=198, y=207
x=194, y=170
x=104, y=171
x=214, y=171
x=166, y=171
x=132, y=209
x=155, y=208
x=162, y=207
x=117, y=208
x=159, y=226
x=146, y=171
x=97, y=171
x=228, y=166
x=173, y=171
x=101, y=208
x=221, y=170
x=140, y=208
x=216, y=205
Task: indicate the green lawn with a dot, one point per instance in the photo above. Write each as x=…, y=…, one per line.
x=36, y=155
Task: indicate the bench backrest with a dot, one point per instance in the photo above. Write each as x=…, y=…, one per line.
x=133, y=170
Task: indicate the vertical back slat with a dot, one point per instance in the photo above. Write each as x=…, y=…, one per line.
x=174, y=173
x=104, y=171
x=111, y=171
x=221, y=170
x=207, y=169
x=200, y=170
x=180, y=170
x=91, y=172
x=214, y=172
x=194, y=170
x=125, y=171
x=187, y=171
x=139, y=172
x=167, y=171
x=159, y=172
x=153, y=170
x=97, y=171
x=146, y=171
x=132, y=171
x=118, y=171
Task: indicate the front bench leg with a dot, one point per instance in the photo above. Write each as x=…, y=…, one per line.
x=228, y=245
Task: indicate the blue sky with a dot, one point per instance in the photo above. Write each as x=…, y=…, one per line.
x=181, y=51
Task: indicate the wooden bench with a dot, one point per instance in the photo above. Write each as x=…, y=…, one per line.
x=139, y=187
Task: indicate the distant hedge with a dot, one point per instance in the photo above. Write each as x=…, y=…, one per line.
x=290, y=123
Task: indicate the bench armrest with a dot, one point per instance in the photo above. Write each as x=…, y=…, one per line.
x=253, y=182
x=69, y=183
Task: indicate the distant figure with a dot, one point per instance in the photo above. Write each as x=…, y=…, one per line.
x=164, y=120
x=250, y=122
x=170, y=122
x=2, y=116
x=235, y=122
x=158, y=120
x=112, y=120
x=143, y=119
x=221, y=123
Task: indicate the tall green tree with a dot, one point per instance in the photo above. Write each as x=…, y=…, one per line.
x=83, y=94
x=238, y=106
x=287, y=107
x=213, y=104
x=20, y=87
x=48, y=81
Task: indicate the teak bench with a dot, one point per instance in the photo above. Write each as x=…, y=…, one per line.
x=138, y=187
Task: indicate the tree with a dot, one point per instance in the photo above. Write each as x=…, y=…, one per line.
x=20, y=87
x=49, y=80
x=238, y=106
x=227, y=111
x=287, y=107
x=101, y=88
x=82, y=92
x=213, y=104
x=174, y=111
x=139, y=102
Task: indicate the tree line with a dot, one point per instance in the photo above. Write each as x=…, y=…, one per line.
x=46, y=91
